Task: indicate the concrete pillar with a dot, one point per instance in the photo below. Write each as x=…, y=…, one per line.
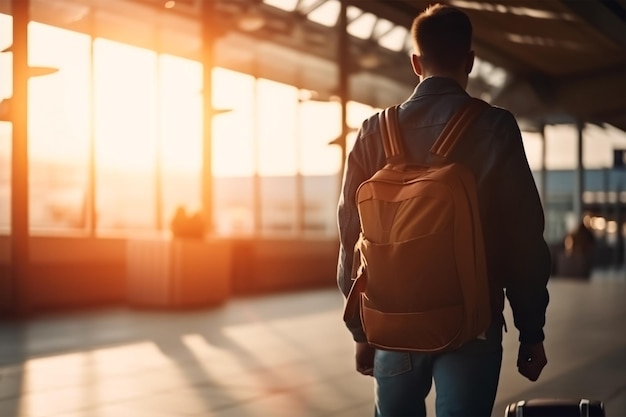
x=92, y=220
x=343, y=60
x=544, y=170
x=208, y=38
x=19, y=160
x=579, y=174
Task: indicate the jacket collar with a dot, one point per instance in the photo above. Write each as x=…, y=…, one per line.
x=437, y=86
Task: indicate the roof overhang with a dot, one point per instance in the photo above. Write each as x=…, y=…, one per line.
x=565, y=59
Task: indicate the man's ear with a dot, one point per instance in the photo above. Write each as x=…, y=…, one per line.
x=469, y=62
x=417, y=65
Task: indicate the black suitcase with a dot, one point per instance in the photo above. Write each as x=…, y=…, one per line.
x=552, y=407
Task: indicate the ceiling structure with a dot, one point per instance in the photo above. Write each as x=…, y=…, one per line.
x=565, y=59
x=549, y=62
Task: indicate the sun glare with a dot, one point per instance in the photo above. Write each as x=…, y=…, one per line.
x=148, y=106
x=141, y=113
x=180, y=114
x=59, y=103
x=125, y=103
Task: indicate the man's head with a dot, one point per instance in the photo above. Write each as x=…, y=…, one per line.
x=442, y=40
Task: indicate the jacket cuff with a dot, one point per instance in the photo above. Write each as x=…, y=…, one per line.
x=358, y=335
x=531, y=337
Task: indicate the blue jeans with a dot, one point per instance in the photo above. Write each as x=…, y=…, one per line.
x=465, y=379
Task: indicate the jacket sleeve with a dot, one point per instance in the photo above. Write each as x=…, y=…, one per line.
x=527, y=260
x=349, y=228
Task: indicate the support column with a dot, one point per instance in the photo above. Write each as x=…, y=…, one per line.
x=618, y=259
x=92, y=220
x=544, y=170
x=257, y=202
x=208, y=39
x=20, y=304
x=343, y=59
x=300, y=195
x=158, y=157
x=579, y=174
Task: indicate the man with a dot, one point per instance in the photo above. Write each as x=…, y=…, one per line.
x=518, y=258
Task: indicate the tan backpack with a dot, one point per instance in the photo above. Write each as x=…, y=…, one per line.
x=420, y=279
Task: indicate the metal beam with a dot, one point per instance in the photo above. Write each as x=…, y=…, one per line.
x=605, y=20
x=574, y=93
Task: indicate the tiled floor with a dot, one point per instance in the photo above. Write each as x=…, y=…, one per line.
x=281, y=355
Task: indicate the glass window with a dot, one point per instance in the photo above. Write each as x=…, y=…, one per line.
x=125, y=129
x=181, y=130
x=276, y=107
x=276, y=127
x=357, y=113
x=234, y=150
x=319, y=164
x=233, y=124
x=58, y=128
x=533, y=147
x=270, y=143
x=320, y=124
x=561, y=146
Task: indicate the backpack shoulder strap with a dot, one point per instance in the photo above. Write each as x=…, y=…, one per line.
x=455, y=128
x=390, y=133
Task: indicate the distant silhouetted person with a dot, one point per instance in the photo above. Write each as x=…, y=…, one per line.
x=518, y=258
x=579, y=249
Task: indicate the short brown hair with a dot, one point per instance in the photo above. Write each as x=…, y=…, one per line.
x=442, y=36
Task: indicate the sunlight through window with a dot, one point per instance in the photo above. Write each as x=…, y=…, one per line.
x=59, y=126
x=276, y=106
x=233, y=141
x=126, y=112
x=180, y=117
x=270, y=142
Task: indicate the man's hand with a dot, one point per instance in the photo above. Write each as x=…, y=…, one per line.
x=364, y=355
x=530, y=360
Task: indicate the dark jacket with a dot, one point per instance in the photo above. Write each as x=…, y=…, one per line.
x=518, y=258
